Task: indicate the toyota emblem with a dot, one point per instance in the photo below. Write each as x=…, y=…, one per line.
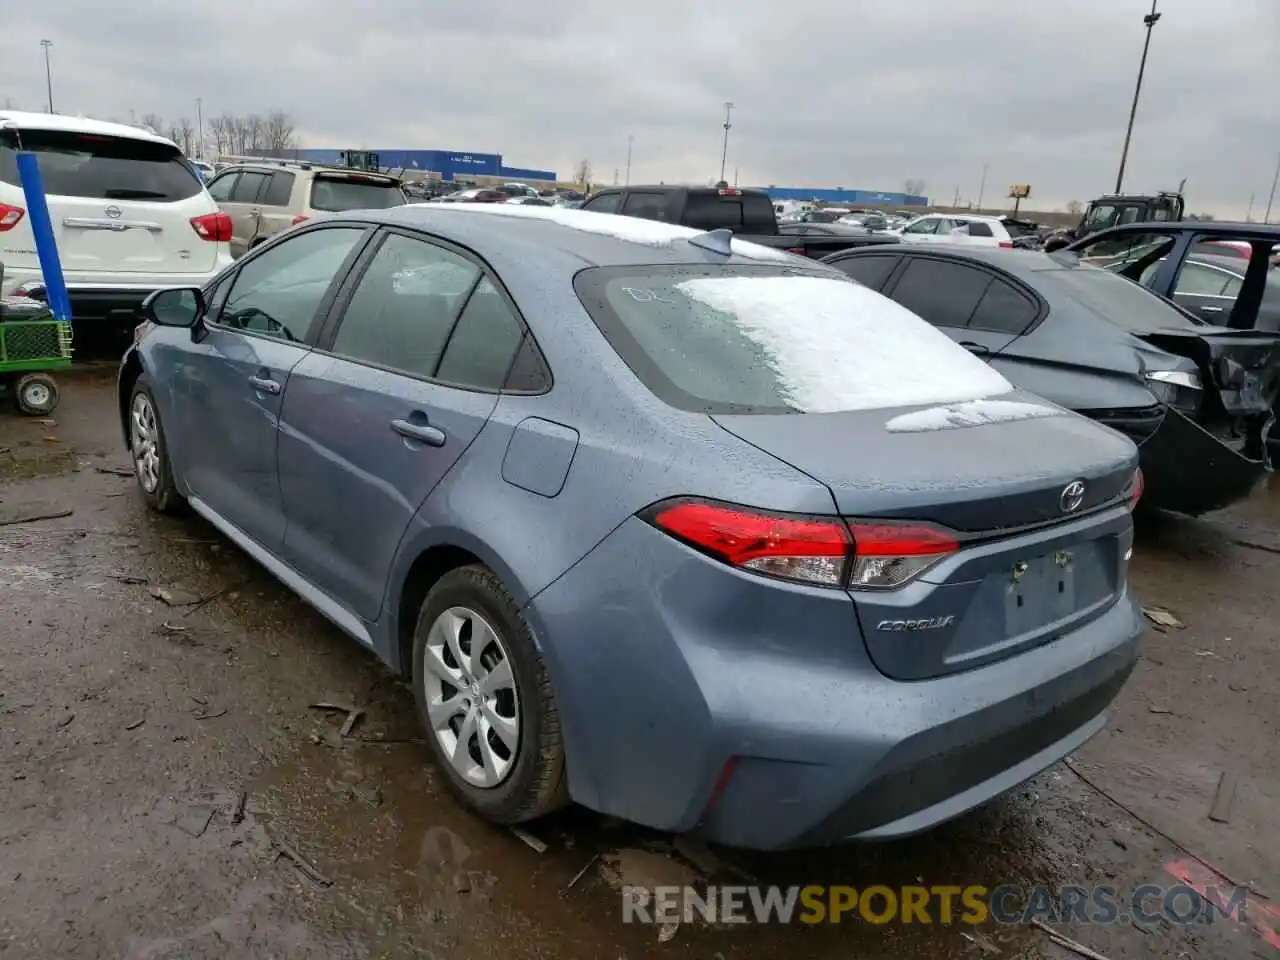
x=1072, y=496
x=113, y=212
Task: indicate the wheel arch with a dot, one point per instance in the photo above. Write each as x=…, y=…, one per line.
x=130, y=369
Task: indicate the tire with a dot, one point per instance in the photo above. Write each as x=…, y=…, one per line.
x=529, y=781
x=35, y=394
x=149, y=451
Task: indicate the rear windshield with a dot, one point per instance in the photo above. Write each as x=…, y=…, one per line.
x=101, y=168
x=348, y=193
x=744, y=213
x=1128, y=305
x=772, y=340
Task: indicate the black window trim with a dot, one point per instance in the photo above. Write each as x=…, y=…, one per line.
x=867, y=252
x=1042, y=306
x=265, y=191
x=315, y=329
x=337, y=307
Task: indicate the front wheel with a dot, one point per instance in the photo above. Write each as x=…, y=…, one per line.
x=35, y=394
x=485, y=699
x=149, y=450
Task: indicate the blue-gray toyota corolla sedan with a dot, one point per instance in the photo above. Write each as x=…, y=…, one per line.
x=681, y=528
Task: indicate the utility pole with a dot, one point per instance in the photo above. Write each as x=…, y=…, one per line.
x=48, y=74
x=982, y=186
x=630, y=141
x=735, y=176
x=1266, y=217
x=1248, y=214
x=724, y=154
x=1149, y=21
x=200, y=126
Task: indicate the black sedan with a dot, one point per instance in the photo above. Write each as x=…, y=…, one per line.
x=1196, y=398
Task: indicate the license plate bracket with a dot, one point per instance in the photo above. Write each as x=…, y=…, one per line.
x=1040, y=591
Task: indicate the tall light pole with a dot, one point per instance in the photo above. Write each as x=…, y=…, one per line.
x=1266, y=217
x=1149, y=21
x=982, y=185
x=724, y=154
x=48, y=74
x=630, y=141
x=200, y=127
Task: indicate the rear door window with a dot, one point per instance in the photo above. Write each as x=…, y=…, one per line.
x=337, y=193
x=646, y=206
x=248, y=186
x=102, y=167
x=977, y=229
x=741, y=213
x=1004, y=309
x=605, y=203
x=279, y=190
x=929, y=225
x=484, y=342
x=870, y=271
x=942, y=292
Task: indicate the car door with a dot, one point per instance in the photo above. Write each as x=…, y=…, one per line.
x=276, y=211
x=953, y=294
x=1207, y=290
x=377, y=416
x=244, y=209
x=228, y=388
x=923, y=230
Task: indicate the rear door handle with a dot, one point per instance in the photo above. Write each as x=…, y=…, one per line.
x=264, y=385
x=1211, y=309
x=422, y=432
x=977, y=349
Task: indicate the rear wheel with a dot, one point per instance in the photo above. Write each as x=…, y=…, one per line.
x=35, y=394
x=149, y=450
x=485, y=700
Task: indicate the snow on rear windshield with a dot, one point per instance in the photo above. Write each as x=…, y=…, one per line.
x=767, y=343
x=973, y=413
x=651, y=233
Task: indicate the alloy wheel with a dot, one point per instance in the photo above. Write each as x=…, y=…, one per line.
x=144, y=442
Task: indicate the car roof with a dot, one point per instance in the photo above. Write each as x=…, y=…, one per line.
x=53, y=121
x=1015, y=262
x=1208, y=228
x=594, y=239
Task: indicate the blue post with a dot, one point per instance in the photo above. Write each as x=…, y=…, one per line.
x=55, y=286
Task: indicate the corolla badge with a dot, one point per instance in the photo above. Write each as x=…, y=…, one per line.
x=914, y=626
x=113, y=212
x=1072, y=496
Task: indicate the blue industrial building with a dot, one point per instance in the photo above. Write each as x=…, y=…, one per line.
x=450, y=164
x=841, y=195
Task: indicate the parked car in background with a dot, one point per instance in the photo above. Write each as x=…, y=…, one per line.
x=265, y=198
x=129, y=215
x=966, y=229
x=205, y=170
x=513, y=488
x=531, y=201
x=475, y=195
x=868, y=221
x=1195, y=398
x=749, y=214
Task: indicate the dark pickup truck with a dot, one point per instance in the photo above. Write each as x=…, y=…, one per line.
x=748, y=213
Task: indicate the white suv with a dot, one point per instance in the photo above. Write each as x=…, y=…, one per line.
x=129, y=214
x=962, y=228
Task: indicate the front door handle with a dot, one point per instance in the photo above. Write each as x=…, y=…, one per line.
x=264, y=385
x=422, y=431
x=1211, y=309
x=977, y=349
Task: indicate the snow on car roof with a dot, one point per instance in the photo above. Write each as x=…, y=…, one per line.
x=651, y=233
x=53, y=121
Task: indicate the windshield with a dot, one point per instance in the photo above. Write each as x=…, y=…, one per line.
x=347, y=193
x=101, y=168
x=1122, y=302
x=765, y=340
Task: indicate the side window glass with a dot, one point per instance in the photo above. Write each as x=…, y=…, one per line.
x=923, y=226
x=403, y=308
x=870, y=271
x=646, y=206
x=483, y=343
x=1128, y=254
x=1004, y=309
x=247, y=187
x=945, y=294
x=1103, y=215
x=605, y=203
x=279, y=190
x=278, y=292
x=220, y=188
x=1198, y=280
x=529, y=372
x=977, y=229
x=216, y=296
x=1231, y=288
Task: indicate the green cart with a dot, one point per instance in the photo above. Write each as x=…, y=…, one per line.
x=32, y=343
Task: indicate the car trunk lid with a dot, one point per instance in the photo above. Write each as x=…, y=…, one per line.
x=1031, y=496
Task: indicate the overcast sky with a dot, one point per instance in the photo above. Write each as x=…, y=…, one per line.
x=854, y=93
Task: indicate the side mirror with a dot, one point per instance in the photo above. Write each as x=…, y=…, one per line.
x=174, y=307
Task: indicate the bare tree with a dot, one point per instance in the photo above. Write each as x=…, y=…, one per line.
x=914, y=187
x=1075, y=208
x=278, y=131
x=183, y=133
x=9, y=104
x=222, y=130
x=582, y=172
x=155, y=123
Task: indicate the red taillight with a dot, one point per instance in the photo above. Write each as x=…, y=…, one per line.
x=214, y=227
x=300, y=218
x=1006, y=245
x=730, y=192
x=1136, y=486
x=824, y=551
x=796, y=250
x=9, y=216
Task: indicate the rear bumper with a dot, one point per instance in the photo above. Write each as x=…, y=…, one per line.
x=1189, y=470
x=97, y=301
x=668, y=666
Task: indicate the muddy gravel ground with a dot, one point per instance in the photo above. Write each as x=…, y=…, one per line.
x=168, y=790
